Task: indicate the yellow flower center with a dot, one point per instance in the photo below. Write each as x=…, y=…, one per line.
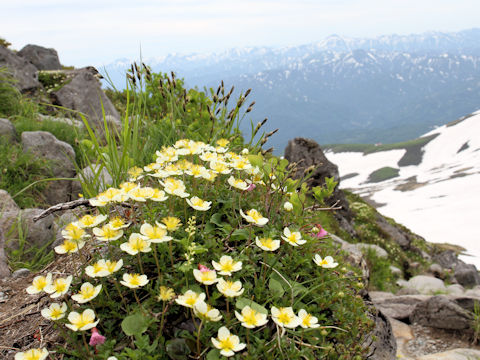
x=292, y=238
x=135, y=279
x=226, y=344
x=139, y=244
x=82, y=321
x=110, y=265
x=87, y=220
x=108, y=232
x=97, y=267
x=69, y=246
x=227, y=266
x=284, y=317
x=33, y=354
x=87, y=292
x=191, y=300
x=306, y=320
x=268, y=243
x=40, y=283
x=117, y=222
x=249, y=318
x=254, y=214
x=60, y=285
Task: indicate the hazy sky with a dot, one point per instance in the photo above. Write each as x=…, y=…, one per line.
x=98, y=32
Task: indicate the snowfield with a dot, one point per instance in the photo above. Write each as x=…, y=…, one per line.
x=439, y=198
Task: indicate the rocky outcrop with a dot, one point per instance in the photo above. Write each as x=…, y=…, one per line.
x=24, y=72
x=443, y=313
x=84, y=94
x=467, y=275
x=398, y=307
x=7, y=131
x=426, y=285
x=380, y=252
x=353, y=256
x=61, y=156
x=42, y=58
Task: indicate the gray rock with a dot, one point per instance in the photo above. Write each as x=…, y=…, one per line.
x=104, y=179
x=396, y=271
x=455, y=289
x=7, y=131
x=475, y=292
x=442, y=313
x=22, y=70
x=23, y=272
x=36, y=233
x=4, y=269
x=7, y=204
x=45, y=145
x=399, y=307
x=83, y=93
x=407, y=291
x=396, y=235
x=454, y=354
x=354, y=257
x=42, y=58
x=436, y=270
x=426, y=285
x=381, y=253
x=446, y=259
x=466, y=274
x=381, y=342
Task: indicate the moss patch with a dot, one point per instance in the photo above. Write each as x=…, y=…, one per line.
x=383, y=174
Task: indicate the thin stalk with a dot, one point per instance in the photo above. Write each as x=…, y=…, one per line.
x=140, y=263
x=138, y=302
x=170, y=250
x=156, y=262
x=198, y=338
x=86, y=344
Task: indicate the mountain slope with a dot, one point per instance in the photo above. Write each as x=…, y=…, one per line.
x=436, y=198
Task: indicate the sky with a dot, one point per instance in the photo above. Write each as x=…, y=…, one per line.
x=98, y=32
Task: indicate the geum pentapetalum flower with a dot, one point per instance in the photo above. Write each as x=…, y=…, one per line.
x=39, y=284
x=250, y=318
x=226, y=265
x=238, y=183
x=267, y=244
x=293, y=238
x=307, y=320
x=155, y=234
x=83, y=321
x=206, y=312
x=172, y=223
x=158, y=195
x=288, y=206
x=32, y=354
x=326, y=263
x=141, y=194
x=74, y=232
x=134, y=281
x=205, y=276
x=254, y=217
x=87, y=292
x=227, y=343
x=107, y=233
x=103, y=268
x=165, y=293
x=55, y=311
x=199, y=204
x=58, y=287
x=89, y=221
x=174, y=187
x=285, y=317
x=69, y=246
x=118, y=223
x=190, y=298
x=230, y=288
x=136, y=243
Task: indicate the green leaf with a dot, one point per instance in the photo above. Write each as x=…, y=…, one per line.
x=276, y=288
x=241, y=234
x=213, y=354
x=256, y=160
x=217, y=219
x=242, y=302
x=177, y=349
x=135, y=324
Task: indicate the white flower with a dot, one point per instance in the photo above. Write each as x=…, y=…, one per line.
x=227, y=265
x=136, y=243
x=83, y=321
x=230, y=288
x=155, y=234
x=307, y=320
x=55, y=311
x=285, y=317
x=59, y=287
x=89, y=221
x=39, y=284
x=199, y=204
x=174, y=187
x=293, y=238
x=190, y=298
x=32, y=354
x=206, y=312
x=103, y=268
x=107, y=233
x=87, y=293
x=254, y=217
x=267, y=244
x=288, y=206
x=205, y=276
x=326, y=263
x=238, y=183
x=251, y=318
x=227, y=343
x=134, y=281
x=141, y=193
x=69, y=246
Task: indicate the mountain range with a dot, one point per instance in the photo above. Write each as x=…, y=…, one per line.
x=343, y=90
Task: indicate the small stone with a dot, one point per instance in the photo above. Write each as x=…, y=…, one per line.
x=436, y=270
x=23, y=272
x=380, y=252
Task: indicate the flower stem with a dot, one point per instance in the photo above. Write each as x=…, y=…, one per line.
x=156, y=261
x=170, y=250
x=138, y=301
x=198, y=338
x=86, y=344
x=140, y=263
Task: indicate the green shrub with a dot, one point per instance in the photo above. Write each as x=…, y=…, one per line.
x=381, y=277
x=383, y=174
x=9, y=95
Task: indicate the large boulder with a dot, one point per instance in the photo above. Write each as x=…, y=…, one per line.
x=379, y=251
x=446, y=259
x=22, y=70
x=398, y=307
x=61, y=155
x=426, y=285
x=84, y=93
x=7, y=204
x=466, y=274
x=7, y=131
x=306, y=153
x=442, y=313
x=42, y=58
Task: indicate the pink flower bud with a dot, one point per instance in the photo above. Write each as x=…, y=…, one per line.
x=251, y=187
x=203, y=268
x=96, y=338
x=321, y=232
